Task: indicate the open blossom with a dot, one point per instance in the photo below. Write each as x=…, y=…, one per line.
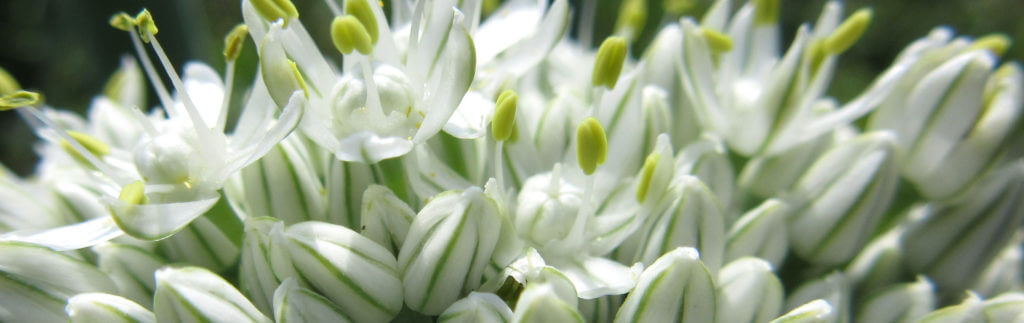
x=476, y=161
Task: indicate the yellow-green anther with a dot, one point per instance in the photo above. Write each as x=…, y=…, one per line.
x=122, y=21
x=298, y=77
x=718, y=41
x=234, y=42
x=646, y=174
x=19, y=99
x=362, y=11
x=94, y=146
x=504, y=115
x=348, y=34
x=679, y=7
x=145, y=21
x=272, y=10
x=766, y=12
x=488, y=6
x=133, y=193
x=848, y=32
x=608, y=64
x=112, y=89
x=632, y=14
x=591, y=145
x=815, y=54
x=7, y=83
x=996, y=43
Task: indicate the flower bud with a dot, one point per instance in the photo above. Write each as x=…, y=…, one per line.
x=708, y=160
x=346, y=183
x=952, y=243
x=386, y=218
x=899, y=303
x=816, y=311
x=256, y=275
x=772, y=175
x=841, y=199
x=283, y=184
x=212, y=240
x=355, y=273
x=131, y=268
x=549, y=297
x=35, y=282
x=833, y=288
x=879, y=264
x=608, y=63
x=296, y=304
x=547, y=208
x=104, y=308
x=449, y=244
x=971, y=309
x=761, y=233
x=676, y=287
x=1007, y=307
x=1006, y=272
x=692, y=220
x=477, y=307
x=657, y=173
x=748, y=291
x=194, y=294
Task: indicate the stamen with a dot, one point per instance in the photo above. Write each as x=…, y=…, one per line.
x=608, y=64
x=122, y=21
x=646, y=175
x=92, y=144
x=147, y=125
x=502, y=126
x=766, y=12
x=591, y=145
x=414, y=29
x=78, y=147
x=154, y=78
x=717, y=41
x=202, y=130
x=7, y=83
x=272, y=10
x=348, y=33
x=233, y=44
x=632, y=17
x=19, y=99
x=134, y=193
x=848, y=32
x=361, y=10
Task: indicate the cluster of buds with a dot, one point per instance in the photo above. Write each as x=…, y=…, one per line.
x=470, y=162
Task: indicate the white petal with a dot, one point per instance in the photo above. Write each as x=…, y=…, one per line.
x=158, y=221
x=366, y=147
x=69, y=237
x=471, y=117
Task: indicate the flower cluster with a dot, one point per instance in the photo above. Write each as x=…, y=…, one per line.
x=469, y=162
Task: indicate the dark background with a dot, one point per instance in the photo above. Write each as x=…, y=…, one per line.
x=66, y=50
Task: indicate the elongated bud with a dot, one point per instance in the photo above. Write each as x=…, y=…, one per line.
x=131, y=268
x=547, y=208
x=591, y=145
x=657, y=172
x=761, y=233
x=293, y=303
x=608, y=63
x=362, y=11
x=676, y=286
x=8, y=84
x=147, y=27
x=693, y=219
x=766, y=12
x=477, y=307
x=194, y=294
x=815, y=311
x=123, y=21
x=748, y=291
x=708, y=160
x=970, y=309
x=385, y=218
x=1008, y=307
x=191, y=245
x=272, y=10
x=1006, y=272
x=717, y=41
x=880, y=264
x=996, y=43
x=450, y=241
x=549, y=297
x=283, y=184
x=234, y=41
x=103, y=308
x=37, y=281
x=900, y=303
x=504, y=115
x=257, y=279
x=349, y=34
x=833, y=288
x=19, y=99
x=841, y=198
x=357, y=274
x=848, y=32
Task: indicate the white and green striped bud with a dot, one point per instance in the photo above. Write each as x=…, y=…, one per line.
x=194, y=294
x=547, y=208
x=549, y=296
x=833, y=288
x=293, y=303
x=1008, y=307
x=354, y=272
x=708, y=160
x=477, y=307
x=748, y=291
x=840, y=200
x=879, y=264
x=283, y=184
x=131, y=268
x=35, y=282
x=346, y=183
x=601, y=309
x=657, y=116
x=385, y=218
x=106, y=308
x=772, y=175
x=693, y=219
x=256, y=274
x=970, y=310
x=952, y=244
x=676, y=287
x=1006, y=272
x=761, y=233
x=899, y=303
x=213, y=240
x=816, y=311
x=448, y=246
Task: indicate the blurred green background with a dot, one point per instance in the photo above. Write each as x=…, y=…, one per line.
x=66, y=50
